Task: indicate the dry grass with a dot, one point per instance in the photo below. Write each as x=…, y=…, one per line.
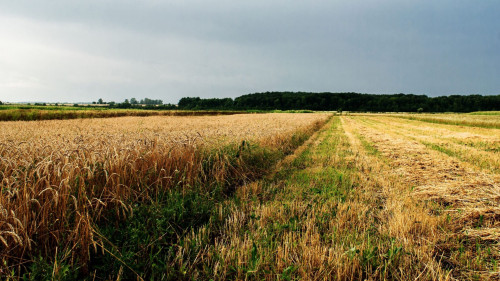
x=58, y=178
x=477, y=146
x=363, y=201
x=486, y=121
x=467, y=195
x=337, y=213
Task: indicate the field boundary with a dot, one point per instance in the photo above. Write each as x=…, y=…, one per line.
x=40, y=114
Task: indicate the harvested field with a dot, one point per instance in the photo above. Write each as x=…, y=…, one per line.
x=455, y=167
x=473, y=120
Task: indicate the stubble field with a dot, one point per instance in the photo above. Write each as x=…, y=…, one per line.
x=252, y=197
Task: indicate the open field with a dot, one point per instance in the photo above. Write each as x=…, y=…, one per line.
x=31, y=113
x=485, y=113
x=476, y=119
x=366, y=197
x=457, y=169
x=63, y=112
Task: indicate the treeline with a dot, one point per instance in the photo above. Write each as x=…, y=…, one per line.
x=213, y=103
x=145, y=103
x=150, y=106
x=346, y=102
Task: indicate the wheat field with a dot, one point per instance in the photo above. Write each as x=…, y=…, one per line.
x=59, y=177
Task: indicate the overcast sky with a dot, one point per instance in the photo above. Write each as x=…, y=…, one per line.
x=80, y=51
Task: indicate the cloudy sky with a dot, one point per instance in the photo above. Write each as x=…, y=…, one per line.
x=80, y=51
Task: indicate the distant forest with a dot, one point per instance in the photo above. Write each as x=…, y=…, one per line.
x=345, y=102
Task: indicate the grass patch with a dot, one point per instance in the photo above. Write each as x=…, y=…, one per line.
x=147, y=244
x=460, y=155
x=485, y=113
x=368, y=146
x=441, y=148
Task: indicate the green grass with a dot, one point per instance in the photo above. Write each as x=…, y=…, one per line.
x=480, y=145
x=462, y=156
x=368, y=146
x=485, y=113
x=148, y=242
x=441, y=148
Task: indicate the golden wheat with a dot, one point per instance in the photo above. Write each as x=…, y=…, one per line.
x=58, y=177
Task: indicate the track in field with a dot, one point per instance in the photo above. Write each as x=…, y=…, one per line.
x=454, y=166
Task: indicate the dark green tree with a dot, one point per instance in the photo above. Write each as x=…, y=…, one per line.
x=347, y=101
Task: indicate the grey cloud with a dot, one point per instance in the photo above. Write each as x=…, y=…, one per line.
x=60, y=50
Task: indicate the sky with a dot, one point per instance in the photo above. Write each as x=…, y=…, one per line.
x=80, y=51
